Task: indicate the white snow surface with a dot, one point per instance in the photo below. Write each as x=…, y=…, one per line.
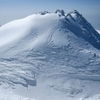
x=98, y=31
x=40, y=59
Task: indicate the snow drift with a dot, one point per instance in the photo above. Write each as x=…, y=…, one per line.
x=50, y=56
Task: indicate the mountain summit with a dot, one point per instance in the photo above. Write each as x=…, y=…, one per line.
x=73, y=22
x=77, y=24
x=49, y=56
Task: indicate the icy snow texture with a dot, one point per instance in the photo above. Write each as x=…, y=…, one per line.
x=50, y=56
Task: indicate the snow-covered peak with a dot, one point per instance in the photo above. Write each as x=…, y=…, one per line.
x=44, y=12
x=75, y=12
x=45, y=29
x=82, y=28
x=60, y=12
x=75, y=15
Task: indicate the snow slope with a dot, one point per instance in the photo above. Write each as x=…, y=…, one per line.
x=98, y=31
x=50, y=56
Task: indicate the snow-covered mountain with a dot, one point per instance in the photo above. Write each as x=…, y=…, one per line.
x=50, y=56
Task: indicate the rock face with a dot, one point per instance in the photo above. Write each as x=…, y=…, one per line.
x=80, y=26
x=51, y=55
x=77, y=24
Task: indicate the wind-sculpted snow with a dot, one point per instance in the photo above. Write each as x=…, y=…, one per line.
x=49, y=56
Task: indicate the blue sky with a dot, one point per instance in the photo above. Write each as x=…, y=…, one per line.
x=15, y=9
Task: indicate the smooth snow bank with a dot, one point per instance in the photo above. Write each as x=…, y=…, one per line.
x=28, y=33
x=17, y=29
x=8, y=94
x=12, y=31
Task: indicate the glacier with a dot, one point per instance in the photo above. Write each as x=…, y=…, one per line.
x=50, y=56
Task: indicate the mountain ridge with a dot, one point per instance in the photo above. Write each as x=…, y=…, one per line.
x=72, y=21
